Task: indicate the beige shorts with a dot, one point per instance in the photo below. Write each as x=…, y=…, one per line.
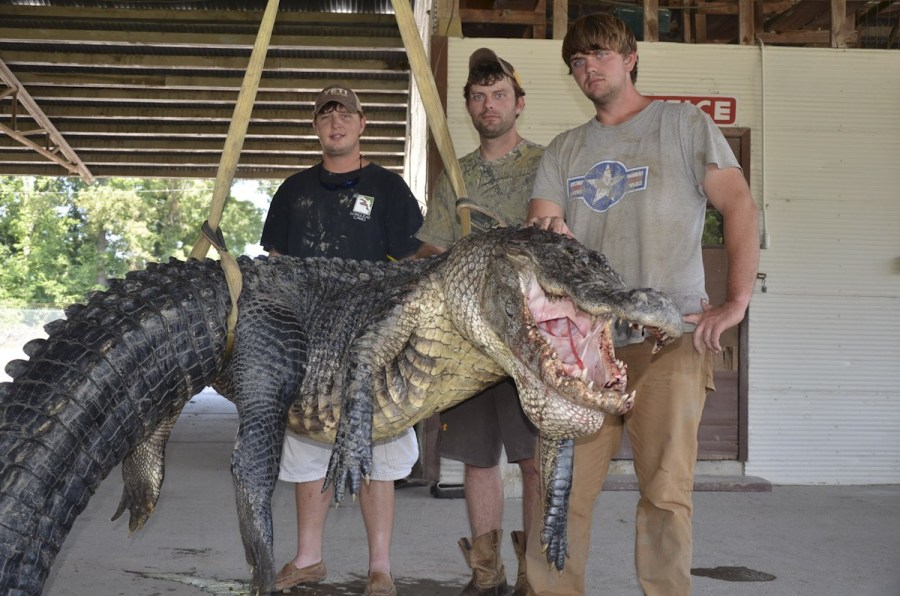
x=305, y=460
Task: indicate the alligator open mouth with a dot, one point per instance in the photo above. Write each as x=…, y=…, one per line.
x=580, y=359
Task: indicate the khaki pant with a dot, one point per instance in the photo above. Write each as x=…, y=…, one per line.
x=671, y=391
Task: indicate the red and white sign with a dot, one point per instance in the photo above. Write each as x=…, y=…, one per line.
x=723, y=110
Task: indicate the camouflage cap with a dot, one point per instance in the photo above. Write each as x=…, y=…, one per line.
x=489, y=56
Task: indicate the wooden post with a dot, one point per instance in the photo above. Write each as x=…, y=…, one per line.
x=651, y=20
x=560, y=18
x=700, y=24
x=448, y=23
x=746, y=23
x=839, y=26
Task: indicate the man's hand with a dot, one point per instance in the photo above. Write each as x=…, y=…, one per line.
x=547, y=215
x=554, y=224
x=712, y=322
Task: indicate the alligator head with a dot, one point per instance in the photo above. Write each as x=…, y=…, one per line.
x=545, y=311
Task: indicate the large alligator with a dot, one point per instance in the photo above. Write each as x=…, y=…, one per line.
x=338, y=350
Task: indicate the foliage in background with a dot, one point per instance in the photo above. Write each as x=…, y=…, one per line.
x=60, y=238
x=714, y=228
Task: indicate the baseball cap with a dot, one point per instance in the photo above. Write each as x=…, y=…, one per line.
x=337, y=94
x=489, y=56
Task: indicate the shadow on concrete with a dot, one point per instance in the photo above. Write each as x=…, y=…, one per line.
x=355, y=584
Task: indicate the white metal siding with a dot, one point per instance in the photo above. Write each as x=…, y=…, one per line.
x=824, y=403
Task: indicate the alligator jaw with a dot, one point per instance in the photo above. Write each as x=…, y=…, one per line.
x=576, y=377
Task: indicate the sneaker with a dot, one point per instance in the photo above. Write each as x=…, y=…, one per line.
x=380, y=584
x=290, y=576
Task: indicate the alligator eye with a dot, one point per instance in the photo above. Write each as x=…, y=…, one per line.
x=510, y=310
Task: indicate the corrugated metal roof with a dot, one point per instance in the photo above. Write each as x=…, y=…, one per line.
x=149, y=88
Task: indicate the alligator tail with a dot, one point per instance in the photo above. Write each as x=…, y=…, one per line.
x=100, y=384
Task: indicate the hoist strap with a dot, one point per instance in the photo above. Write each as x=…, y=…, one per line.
x=470, y=205
x=237, y=129
x=431, y=101
x=232, y=278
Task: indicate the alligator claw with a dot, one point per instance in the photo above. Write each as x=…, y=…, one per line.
x=556, y=547
x=350, y=465
x=351, y=456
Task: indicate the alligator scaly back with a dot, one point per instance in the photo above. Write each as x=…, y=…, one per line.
x=96, y=387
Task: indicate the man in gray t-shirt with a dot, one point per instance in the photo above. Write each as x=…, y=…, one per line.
x=633, y=183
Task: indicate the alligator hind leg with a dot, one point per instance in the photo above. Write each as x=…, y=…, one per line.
x=254, y=470
x=351, y=456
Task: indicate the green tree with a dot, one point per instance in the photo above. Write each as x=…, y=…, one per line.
x=60, y=238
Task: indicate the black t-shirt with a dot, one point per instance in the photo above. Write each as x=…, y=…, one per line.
x=366, y=215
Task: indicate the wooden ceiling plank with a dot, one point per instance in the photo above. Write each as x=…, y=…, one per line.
x=161, y=17
x=156, y=144
x=23, y=59
x=175, y=41
x=300, y=82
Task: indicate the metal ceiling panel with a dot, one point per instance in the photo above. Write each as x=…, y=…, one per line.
x=148, y=89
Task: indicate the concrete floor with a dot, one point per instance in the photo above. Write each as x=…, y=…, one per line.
x=804, y=541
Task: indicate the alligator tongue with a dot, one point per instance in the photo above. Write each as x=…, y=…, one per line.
x=565, y=336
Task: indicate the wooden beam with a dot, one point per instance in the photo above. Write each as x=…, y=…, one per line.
x=226, y=81
x=539, y=31
x=560, y=18
x=502, y=16
x=164, y=39
x=839, y=26
x=687, y=20
x=449, y=23
x=700, y=24
x=69, y=159
x=821, y=38
x=651, y=20
x=746, y=22
x=141, y=17
x=22, y=59
x=730, y=7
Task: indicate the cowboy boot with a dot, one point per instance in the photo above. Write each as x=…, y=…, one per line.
x=483, y=558
x=521, y=588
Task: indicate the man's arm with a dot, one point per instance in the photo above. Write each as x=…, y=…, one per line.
x=728, y=192
x=547, y=215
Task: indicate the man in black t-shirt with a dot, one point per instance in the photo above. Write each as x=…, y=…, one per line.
x=345, y=207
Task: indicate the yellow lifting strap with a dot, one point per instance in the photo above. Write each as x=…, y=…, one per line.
x=434, y=111
x=210, y=233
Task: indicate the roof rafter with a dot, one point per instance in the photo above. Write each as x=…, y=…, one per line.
x=18, y=95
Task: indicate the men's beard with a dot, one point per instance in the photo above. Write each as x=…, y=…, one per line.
x=603, y=97
x=493, y=131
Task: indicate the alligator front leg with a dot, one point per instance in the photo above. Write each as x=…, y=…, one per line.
x=351, y=456
x=143, y=472
x=557, y=457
